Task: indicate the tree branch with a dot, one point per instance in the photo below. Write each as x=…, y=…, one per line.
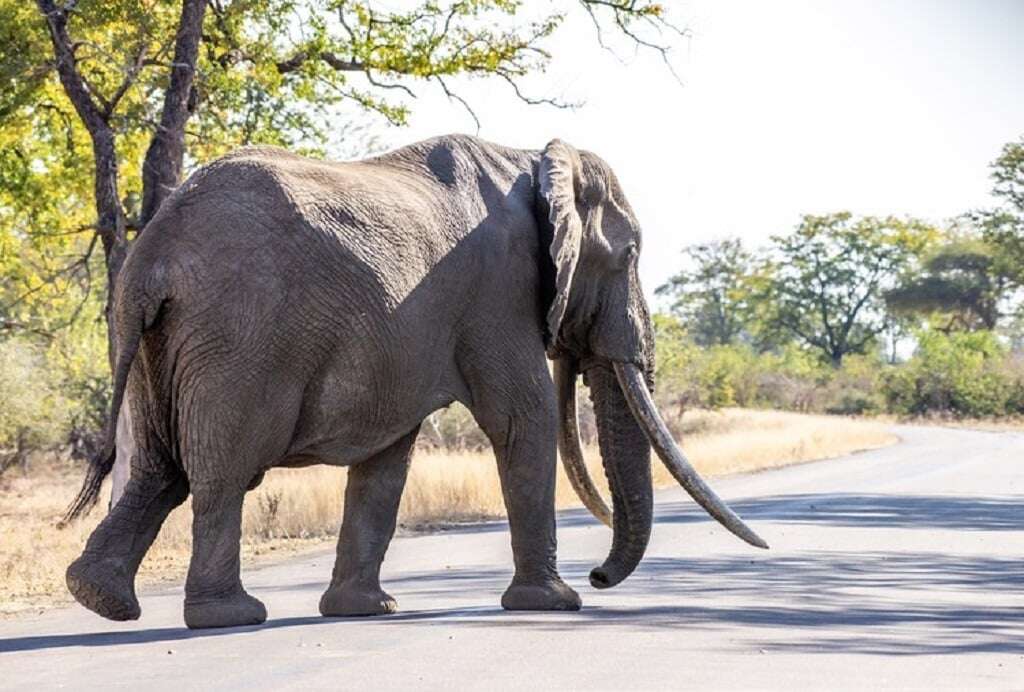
x=131, y=73
x=165, y=156
x=340, y=64
x=455, y=97
x=71, y=79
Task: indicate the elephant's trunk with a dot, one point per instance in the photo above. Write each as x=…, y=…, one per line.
x=626, y=455
x=637, y=394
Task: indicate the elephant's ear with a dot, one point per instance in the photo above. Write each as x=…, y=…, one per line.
x=557, y=176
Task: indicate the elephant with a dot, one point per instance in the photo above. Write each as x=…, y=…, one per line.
x=281, y=311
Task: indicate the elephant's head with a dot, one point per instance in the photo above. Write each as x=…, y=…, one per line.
x=598, y=324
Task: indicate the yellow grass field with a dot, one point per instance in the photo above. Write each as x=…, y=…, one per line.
x=294, y=510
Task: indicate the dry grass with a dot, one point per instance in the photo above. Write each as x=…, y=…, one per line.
x=296, y=509
x=1005, y=424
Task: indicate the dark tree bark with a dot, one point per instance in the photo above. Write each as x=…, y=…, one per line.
x=166, y=153
x=161, y=170
x=110, y=222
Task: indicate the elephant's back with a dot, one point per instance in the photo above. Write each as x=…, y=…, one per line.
x=266, y=250
x=268, y=215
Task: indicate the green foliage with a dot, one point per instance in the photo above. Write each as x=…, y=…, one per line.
x=79, y=355
x=52, y=390
x=963, y=374
x=688, y=376
x=711, y=294
x=825, y=281
x=1008, y=173
x=792, y=378
x=1003, y=227
x=962, y=284
x=34, y=411
x=855, y=388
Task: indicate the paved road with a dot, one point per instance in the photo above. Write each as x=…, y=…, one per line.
x=900, y=568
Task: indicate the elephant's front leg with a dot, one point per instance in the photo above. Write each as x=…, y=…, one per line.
x=525, y=449
x=372, y=495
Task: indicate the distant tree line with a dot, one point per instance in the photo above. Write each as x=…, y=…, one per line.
x=887, y=291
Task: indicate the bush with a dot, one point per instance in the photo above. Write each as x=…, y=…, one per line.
x=791, y=380
x=968, y=374
x=78, y=357
x=33, y=412
x=855, y=389
x=452, y=428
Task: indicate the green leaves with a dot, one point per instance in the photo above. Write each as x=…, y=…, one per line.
x=1003, y=227
x=965, y=374
x=961, y=285
x=712, y=293
x=825, y=281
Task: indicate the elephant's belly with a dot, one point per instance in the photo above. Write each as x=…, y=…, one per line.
x=350, y=414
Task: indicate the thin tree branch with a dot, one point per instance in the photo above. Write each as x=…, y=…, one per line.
x=74, y=83
x=455, y=97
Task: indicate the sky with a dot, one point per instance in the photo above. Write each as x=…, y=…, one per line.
x=782, y=108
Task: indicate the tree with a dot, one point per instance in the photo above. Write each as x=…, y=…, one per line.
x=825, y=283
x=126, y=93
x=962, y=281
x=710, y=294
x=1003, y=226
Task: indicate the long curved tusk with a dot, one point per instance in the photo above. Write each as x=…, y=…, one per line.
x=642, y=406
x=569, y=447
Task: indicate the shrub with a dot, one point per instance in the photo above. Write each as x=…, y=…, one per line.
x=78, y=359
x=966, y=374
x=33, y=412
x=452, y=428
x=855, y=388
x=791, y=379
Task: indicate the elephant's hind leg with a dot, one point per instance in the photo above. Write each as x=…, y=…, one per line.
x=103, y=578
x=214, y=596
x=226, y=445
x=372, y=496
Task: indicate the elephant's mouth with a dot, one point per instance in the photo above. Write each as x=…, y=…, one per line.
x=628, y=425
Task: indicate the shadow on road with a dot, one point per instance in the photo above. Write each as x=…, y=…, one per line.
x=1004, y=513
x=992, y=513
x=889, y=603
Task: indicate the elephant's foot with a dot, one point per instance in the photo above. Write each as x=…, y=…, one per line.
x=346, y=600
x=234, y=610
x=103, y=586
x=552, y=594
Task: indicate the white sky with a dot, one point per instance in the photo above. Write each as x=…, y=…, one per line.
x=786, y=107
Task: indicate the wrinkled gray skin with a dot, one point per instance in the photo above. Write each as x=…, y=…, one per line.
x=281, y=311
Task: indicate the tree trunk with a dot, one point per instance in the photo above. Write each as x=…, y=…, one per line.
x=110, y=224
x=161, y=171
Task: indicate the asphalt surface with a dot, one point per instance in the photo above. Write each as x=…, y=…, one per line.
x=899, y=568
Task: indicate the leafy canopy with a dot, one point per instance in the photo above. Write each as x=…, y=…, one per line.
x=1003, y=227
x=824, y=283
x=712, y=293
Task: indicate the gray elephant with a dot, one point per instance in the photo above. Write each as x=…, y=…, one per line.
x=282, y=311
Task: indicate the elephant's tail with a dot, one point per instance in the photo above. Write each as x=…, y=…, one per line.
x=134, y=311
